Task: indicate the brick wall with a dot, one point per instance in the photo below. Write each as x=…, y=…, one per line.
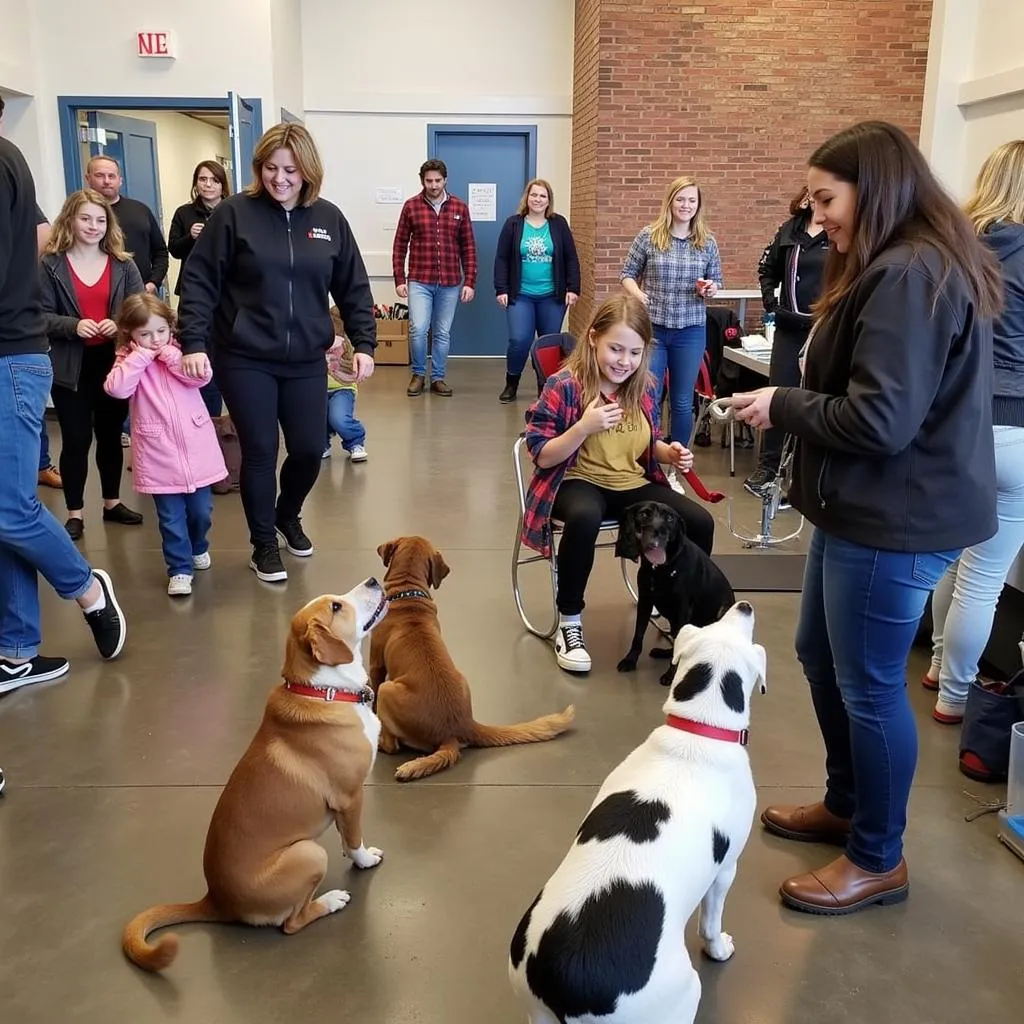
x=736, y=94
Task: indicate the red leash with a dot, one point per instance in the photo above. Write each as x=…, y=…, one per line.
x=695, y=482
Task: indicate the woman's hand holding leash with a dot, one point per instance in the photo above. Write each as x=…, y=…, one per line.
x=753, y=407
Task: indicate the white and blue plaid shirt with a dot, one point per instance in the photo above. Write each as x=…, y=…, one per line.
x=670, y=278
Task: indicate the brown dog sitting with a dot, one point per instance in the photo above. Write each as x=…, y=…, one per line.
x=303, y=772
x=423, y=700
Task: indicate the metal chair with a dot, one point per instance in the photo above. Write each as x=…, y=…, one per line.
x=547, y=353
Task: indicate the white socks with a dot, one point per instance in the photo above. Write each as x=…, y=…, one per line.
x=569, y=620
x=100, y=603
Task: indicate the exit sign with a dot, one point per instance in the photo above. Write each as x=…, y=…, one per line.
x=156, y=44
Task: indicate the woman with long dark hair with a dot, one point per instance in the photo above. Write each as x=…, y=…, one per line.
x=895, y=468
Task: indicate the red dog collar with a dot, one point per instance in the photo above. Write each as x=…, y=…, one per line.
x=740, y=736
x=364, y=696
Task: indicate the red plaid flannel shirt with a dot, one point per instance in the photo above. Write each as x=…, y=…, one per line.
x=560, y=406
x=441, y=247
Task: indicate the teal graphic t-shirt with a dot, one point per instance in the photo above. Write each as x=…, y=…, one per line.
x=537, y=251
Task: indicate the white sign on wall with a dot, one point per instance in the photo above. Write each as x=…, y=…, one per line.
x=156, y=44
x=483, y=201
x=388, y=194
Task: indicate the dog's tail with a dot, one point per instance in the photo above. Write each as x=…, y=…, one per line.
x=540, y=729
x=444, y=757
x=159, y=955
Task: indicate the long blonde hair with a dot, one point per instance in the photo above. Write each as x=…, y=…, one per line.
x=661, y=229
x=524, y=207
x=62, y=237
x=296, y=139
x=582, y=361
x=999, y=190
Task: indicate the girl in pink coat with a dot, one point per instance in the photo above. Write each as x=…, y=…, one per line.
x=175, y=454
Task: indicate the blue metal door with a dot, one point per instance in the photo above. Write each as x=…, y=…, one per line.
x=505, y=157
x=132, y=143
x=243, y=139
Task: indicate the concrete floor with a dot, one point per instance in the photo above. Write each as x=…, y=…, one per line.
x=114, y=771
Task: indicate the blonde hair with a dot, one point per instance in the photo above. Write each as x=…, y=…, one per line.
x=62, y=237
x=582, y=361
x=661, y=229
x=296, y=139
x=999, y=190
x=524, y=207
x=135, y=312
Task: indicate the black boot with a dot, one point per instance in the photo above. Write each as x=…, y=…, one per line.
x=511, y=387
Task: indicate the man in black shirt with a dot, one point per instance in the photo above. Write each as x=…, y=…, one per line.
x=142, y=234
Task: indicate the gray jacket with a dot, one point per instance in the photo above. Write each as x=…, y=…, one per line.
x=61, y=313
x=1007, y=242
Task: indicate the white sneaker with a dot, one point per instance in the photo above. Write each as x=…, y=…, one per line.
x=326, y=453
x=570, y=651
x=358, y=453
x=203, y=561
x=179, y=586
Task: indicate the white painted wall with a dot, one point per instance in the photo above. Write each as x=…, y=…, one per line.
x=369, y=98
x=286, y=46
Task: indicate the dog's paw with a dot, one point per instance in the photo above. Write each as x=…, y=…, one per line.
x=660, y=653
x=720, y=948
x=335, y=900
x=628, y=663
x=667, y=677
x=366, y=857
x=386, y=743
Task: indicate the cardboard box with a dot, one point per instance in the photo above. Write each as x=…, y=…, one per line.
x=392, y=343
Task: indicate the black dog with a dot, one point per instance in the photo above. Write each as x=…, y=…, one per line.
x=675, y=577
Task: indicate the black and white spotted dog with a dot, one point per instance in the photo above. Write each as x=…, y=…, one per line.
x=603, y=942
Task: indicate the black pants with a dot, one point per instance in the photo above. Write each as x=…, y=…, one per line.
x=86, y=413
x=259, y=399
x=784, y=372
x=582, y=506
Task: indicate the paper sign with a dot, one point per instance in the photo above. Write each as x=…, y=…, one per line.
x=388, y=194
x=483, y=201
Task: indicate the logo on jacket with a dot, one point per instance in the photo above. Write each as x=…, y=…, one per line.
x=321, y=234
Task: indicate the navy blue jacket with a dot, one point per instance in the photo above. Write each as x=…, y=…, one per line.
x=1007, y=242
x=508, y=263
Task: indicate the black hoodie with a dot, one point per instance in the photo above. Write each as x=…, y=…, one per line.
x=797, y=262
x=1007, y=242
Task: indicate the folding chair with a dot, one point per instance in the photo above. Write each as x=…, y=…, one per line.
x=704, y=391
x=548, y=353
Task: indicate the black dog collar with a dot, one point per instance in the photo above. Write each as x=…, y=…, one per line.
x=413, y=592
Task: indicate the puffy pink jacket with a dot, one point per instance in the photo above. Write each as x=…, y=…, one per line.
x=174, y=445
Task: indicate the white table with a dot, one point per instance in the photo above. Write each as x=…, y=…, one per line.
x=740, y=295
x=759, y=361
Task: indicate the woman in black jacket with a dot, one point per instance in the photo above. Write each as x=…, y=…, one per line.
x=257, y=290
x=85, y=275
x=536, y=276
x=795, y=261
x=209, y=187
x=895, y=468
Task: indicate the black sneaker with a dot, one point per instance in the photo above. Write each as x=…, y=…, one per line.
x=122, y=514
x=108, y=625
x=294, y=539
x=38, y=670
x=758, y=481
x=266, y=563
x=570, y=650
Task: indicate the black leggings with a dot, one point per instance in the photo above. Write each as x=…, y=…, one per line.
x=582, y=506
x=258, y=399
x=784, y=372
x=90, y=411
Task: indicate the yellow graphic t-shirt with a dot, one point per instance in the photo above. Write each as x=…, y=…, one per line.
x=612, y=458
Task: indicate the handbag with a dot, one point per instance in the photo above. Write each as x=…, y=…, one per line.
x=231, y=449
x=989, y=716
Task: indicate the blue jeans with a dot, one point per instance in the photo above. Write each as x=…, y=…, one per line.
x=680, y=350
x=431, y=307
x=31, y=540
x=341, y=418
x=184, y=523
x=965, y=600
x=530, y=317
x=858, y=617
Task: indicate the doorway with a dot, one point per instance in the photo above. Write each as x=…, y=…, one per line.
x=494, y=162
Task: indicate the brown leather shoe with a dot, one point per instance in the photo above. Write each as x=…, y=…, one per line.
x=50, y=477
x=811, y=823
x=438, y=387
x=843, y=888
x=415, y=386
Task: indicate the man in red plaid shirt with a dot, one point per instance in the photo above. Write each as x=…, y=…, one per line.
x=435, y=230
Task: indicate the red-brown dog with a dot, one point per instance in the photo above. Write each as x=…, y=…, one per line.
x=303, y=772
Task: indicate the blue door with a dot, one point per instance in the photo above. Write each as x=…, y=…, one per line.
x=132, y=143
x=243, y=139
x=505, y=157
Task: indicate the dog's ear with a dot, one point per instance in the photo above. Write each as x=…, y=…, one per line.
x=683, y=640
x=676, y=532
x=626, y=545
x=759, y=660
x=325, y=647
x=387, y=551
x=438, y=569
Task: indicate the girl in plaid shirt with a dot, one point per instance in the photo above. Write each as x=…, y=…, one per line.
x=596, y=451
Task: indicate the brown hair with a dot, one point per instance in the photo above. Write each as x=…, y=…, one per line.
x=135, y=312
x=582, y=360
x=433, y=165
x=63, y=236
x=899, y=201
x=661, y=229
x=799, y=203
x=999, y=190
x=296, y=139
x=524, y=207
x=217, y=171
